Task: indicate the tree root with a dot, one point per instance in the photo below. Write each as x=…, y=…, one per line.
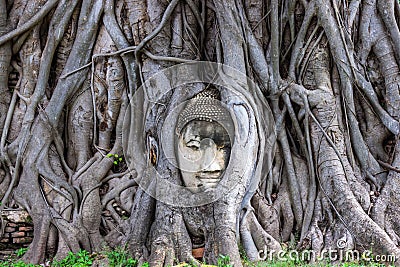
x=255, y=239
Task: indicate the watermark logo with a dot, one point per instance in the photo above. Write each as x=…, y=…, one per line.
x=332, y=255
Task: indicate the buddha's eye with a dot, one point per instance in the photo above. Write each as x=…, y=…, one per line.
x=223, y=145
x=193, y=144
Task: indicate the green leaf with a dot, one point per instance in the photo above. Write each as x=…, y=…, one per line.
x=20, y=252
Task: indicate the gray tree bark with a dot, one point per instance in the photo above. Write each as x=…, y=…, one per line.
x=90, y=92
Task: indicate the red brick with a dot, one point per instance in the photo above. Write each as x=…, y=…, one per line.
x=18, y=234
x=22, y=240
x=198, y=252
x=9, y=229
x=4, y=240
x=25, y=228
x=12, y=224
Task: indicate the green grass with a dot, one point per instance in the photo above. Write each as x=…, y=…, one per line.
x=79, y=259
x=120, y=258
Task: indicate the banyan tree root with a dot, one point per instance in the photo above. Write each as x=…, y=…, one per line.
x=327, y=72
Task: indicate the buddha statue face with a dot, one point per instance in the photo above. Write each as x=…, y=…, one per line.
x=204, y=131
x=203, y=154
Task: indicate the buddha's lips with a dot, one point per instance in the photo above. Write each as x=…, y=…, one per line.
x=209, y=176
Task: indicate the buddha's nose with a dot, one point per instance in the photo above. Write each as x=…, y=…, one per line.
x=210, y=162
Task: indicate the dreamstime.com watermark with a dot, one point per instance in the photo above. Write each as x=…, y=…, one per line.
x=332, y=255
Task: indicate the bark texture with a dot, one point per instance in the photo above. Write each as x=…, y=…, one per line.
x=314, y=96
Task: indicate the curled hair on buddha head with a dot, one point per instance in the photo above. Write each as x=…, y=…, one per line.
x=205, y=106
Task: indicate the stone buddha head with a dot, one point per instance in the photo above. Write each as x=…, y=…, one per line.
x=205, y=133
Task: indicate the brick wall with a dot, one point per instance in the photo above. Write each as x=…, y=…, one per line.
x=18, y=231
